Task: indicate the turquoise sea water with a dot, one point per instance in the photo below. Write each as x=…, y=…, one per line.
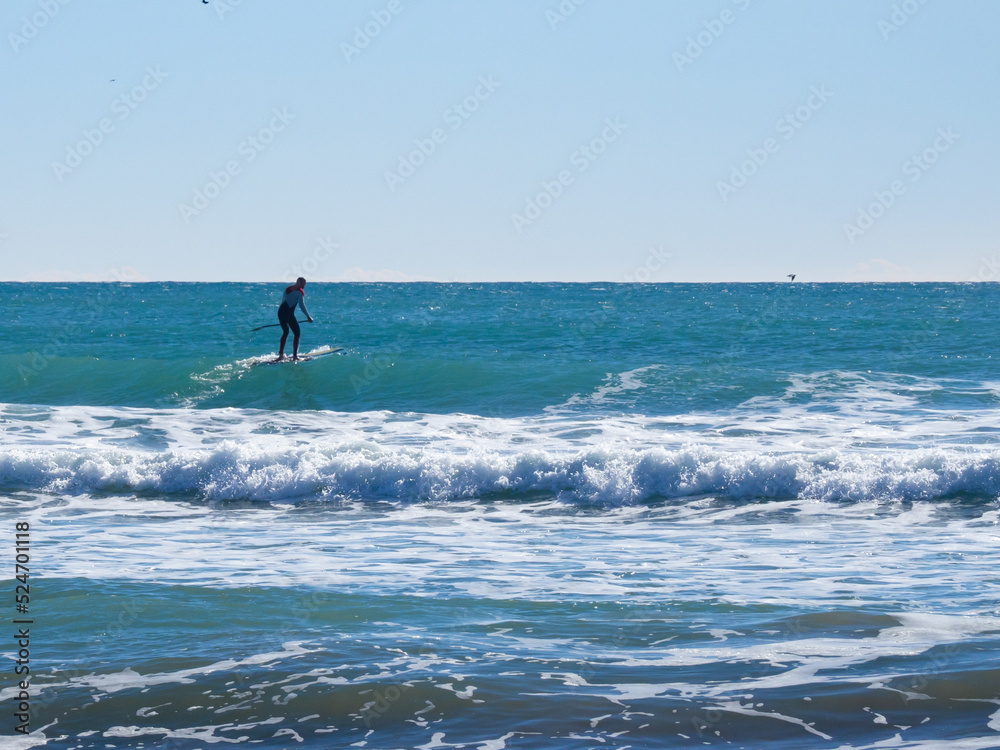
x=508, y=515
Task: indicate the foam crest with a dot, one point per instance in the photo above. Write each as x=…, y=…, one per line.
x=607, y=475
x=226, y=454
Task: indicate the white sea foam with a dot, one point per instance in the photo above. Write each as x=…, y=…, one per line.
x=368, y=470
x=230, y=454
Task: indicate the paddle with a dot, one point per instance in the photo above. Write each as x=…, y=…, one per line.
x=275, y=325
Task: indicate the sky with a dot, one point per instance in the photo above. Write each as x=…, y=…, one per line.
x=475, y=140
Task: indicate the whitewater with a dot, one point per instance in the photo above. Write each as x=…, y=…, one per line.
x=508, y=515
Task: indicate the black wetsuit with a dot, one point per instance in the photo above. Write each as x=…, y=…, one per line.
x=286, y=310
x=286, y=316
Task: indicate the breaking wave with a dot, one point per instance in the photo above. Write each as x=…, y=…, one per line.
x=366, y=471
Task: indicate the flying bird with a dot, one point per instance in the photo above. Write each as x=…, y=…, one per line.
x=791, y=277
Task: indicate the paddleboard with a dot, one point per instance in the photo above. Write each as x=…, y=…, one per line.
x=307, y=357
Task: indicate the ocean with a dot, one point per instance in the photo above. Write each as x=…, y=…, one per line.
x=506, y=516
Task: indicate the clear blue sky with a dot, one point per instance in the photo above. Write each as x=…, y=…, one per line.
x=658, y=202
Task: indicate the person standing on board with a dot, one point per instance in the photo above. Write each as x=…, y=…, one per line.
x=294, y=295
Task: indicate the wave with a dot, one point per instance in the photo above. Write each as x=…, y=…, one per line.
x=234, y=470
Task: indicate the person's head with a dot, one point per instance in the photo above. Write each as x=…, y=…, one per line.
x=300, y=283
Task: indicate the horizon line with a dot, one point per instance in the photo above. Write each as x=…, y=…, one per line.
x=431, y=281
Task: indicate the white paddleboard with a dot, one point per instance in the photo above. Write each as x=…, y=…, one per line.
x=308, y=357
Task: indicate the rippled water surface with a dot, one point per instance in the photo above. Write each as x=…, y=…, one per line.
x=508, y=516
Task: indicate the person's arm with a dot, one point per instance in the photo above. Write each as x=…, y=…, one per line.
x=302, y=304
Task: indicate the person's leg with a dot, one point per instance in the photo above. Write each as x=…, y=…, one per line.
x=284, y=334
x=296, y=331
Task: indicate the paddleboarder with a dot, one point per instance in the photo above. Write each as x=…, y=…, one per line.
x=294, y=295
